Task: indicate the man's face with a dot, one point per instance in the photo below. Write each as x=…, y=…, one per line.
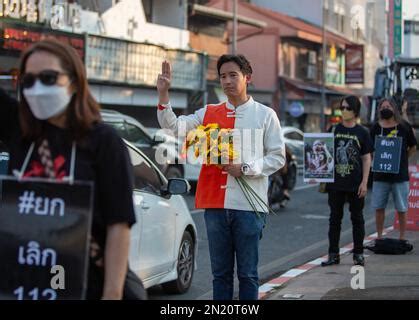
x=232, y=80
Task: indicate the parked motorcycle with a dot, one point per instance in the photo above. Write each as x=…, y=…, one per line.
x=282, y=181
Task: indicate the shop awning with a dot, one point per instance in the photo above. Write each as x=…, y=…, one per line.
x=317, y=88
x=225, y=15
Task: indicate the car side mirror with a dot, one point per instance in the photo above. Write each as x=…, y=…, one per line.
x=155, y=142
x=178, y=186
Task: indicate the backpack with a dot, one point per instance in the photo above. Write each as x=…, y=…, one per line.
x=134, y=288
x=390, y=246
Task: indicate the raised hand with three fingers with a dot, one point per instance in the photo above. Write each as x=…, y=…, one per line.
x=163, y=82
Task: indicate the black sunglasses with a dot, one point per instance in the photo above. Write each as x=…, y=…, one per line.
x=47, y=77
x=347, y=108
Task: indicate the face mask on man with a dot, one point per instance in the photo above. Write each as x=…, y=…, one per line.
x=47, y=101
x=386, y=114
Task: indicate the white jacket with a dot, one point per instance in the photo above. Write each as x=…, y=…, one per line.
x=258, y=138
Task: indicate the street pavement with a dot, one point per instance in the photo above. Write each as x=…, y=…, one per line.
x=386, y=277
x=292, y=237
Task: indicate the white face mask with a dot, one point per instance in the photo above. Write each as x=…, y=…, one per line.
x=47, y=101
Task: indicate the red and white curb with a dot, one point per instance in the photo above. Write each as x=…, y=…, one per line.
x=266, y=289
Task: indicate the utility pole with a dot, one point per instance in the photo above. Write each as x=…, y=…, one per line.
x=234, y=27
x=324, y=65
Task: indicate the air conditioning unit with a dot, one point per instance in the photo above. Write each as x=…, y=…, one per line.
x=311, y=72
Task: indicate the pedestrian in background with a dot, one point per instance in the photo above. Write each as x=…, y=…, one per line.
x=284, y=172
x=278, y=191
x=58, y=119
x=390, y=124
x=233, y=228
x=352, y=167
x=402, y=105
x=403, y=109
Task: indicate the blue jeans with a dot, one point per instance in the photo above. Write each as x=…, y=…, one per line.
x=381, y=191
x=234, y=234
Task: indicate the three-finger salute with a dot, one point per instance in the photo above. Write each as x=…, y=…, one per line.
x=163, y=82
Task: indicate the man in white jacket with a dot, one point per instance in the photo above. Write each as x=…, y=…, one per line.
x=233, y=228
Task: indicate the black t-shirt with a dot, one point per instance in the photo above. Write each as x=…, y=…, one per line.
x=350, y=145
x=101, y=157
x=403, y=130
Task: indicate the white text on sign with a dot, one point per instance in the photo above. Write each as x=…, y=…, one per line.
x=30, y=204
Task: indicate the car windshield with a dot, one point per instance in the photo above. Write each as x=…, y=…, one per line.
x=146, y=177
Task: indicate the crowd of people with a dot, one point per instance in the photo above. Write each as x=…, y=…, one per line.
x=352, y=172
x=57, y=117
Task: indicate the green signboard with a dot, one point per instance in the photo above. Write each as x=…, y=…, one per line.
x=397, y=32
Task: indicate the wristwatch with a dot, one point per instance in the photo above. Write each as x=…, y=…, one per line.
x=245, y=168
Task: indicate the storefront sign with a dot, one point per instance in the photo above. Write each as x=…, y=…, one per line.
x=58, y=14
x=397, y=27
x=354, y=64
x=16, y=38
x=296, y=109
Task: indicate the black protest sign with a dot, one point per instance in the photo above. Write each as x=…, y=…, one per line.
x=387, y=154
x=44, y=233
x=4, y=160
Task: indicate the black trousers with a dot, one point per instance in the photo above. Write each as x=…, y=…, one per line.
x=337, y=200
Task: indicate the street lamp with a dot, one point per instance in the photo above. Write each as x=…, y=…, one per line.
x=234, y=26
x=324, y=63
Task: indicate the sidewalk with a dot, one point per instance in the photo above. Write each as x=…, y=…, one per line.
x=392, y=277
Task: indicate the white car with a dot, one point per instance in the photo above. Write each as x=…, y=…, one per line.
x=161, y=151
x=164, y=239
x=294, y=139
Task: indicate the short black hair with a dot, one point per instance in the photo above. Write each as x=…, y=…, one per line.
x=354, y=103
x=239, y=59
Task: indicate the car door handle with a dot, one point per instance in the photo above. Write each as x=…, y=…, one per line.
x=145, y=206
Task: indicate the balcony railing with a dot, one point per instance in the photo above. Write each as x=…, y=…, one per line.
x=126, y=62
